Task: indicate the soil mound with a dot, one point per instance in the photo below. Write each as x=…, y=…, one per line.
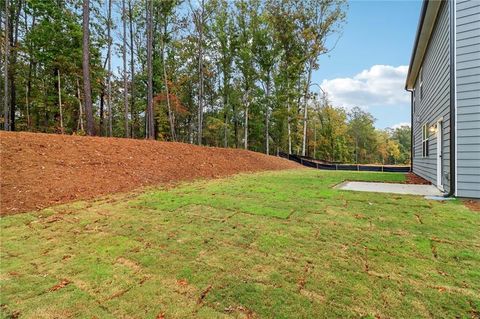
x=40, y=170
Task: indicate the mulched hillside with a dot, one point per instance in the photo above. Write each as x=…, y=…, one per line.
x=40, y=170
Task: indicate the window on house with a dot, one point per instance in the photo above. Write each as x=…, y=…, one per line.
x=425, y=143
x=421, y=83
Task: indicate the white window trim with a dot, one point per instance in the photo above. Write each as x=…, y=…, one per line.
x=425, y=141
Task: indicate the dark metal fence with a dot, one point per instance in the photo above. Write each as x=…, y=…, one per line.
x=335, y=166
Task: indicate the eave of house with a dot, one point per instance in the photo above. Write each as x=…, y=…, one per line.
x=428, y=16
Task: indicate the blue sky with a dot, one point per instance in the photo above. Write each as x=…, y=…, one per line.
x=368, y=66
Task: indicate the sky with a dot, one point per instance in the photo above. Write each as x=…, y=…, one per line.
x=369, y=64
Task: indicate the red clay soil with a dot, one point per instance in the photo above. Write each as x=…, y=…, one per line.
x=412, y=178
x=40, y=170
x=472, y=204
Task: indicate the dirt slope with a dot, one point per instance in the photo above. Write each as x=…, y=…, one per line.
x=39, y=170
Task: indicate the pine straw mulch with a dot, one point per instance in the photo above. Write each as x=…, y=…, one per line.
x=41, y=170
x=412, y=178
x=472, y=204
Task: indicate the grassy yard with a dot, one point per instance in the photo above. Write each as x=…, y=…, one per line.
x=268, y=245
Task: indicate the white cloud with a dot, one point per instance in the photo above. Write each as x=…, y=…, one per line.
x=381, y=85
x=398, y=125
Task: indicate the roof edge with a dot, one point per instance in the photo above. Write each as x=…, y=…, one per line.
x=428, y=17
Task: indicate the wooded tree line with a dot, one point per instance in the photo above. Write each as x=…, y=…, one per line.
x=213, y=72
x=351, y=137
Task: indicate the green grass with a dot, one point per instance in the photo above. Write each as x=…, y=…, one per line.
x=270, y=245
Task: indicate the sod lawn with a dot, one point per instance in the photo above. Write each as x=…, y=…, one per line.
x=278, y=244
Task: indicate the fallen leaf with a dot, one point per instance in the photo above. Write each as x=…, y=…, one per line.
x=62, y=284
x=182, y=282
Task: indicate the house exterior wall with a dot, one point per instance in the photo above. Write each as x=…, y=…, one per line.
x=435, y=103
x=468, y=97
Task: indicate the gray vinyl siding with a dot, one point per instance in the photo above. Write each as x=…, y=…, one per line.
x=468, y=97
x=435, y=103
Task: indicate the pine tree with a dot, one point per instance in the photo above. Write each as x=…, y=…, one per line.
x=87, y=88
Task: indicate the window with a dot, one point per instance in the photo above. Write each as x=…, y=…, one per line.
x=421, y=83
x=425, y=145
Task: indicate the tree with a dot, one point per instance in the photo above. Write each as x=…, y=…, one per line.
x=167, y=9
x=321, y=19
x=393, y=150
x=266, y=55
x=402, y=135
x=247, y=23
x=284, y=17
x=6, y=108
x=215, y=72
x=62, y=129
x=362, y=134
x=87, y=88
x=132, y=70
x=12, y=19
x=225, y=37
x=199, y=16
x=332, y=133
x=125, y=73
x=109, y=71
x=382, y=145
x=150, y=130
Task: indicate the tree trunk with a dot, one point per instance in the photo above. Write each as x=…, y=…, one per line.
x=60, y=101
x=165, y=79
x=267, y=117
x=289, y=129
x=200, y=22
x=225, y=129
x=125, y=75
x=150, y=121
x=87, y=88
x=27, y=105
x=247, y=105
x=15, y=15
x=6, y=106
x=109, y=71
x=80, y=108
x=45, y=103
x=132, y=72
x=225, y=106
x=27, y=102
x=235, y=124
x=28, y=87
x=102, y=108
x=356, y=150
x=332, y=147
x=305, y=108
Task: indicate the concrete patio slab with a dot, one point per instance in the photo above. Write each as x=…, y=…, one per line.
x=409, y=189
